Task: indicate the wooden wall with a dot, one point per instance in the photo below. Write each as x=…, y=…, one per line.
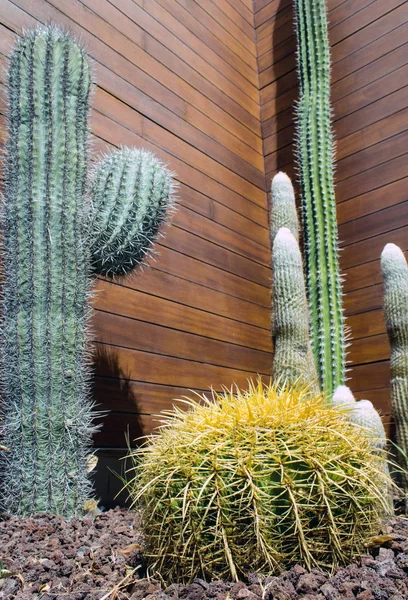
x=370, y=101
x=178, y=77
x=195, y=82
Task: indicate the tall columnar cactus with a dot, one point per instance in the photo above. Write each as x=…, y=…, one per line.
x=47, y=420
x=131, y=193
x=315, y=158
x=395, y=277
x=293, y=358
x=47, y=414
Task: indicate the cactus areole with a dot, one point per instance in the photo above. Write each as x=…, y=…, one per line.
x=315, y=159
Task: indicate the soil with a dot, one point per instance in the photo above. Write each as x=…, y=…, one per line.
x=48, y=558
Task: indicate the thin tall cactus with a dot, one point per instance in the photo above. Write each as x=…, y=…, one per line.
x=315, y=159
x=293, y=361
x=395, y=277
x=48, y=414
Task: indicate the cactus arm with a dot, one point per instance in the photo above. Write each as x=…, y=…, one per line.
x=131, y=192
x=315, y=158
x=293, y=358
x=47, y=422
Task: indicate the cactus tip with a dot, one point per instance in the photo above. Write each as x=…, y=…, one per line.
x=392, y=251
x=281, y=177
x=343, y=396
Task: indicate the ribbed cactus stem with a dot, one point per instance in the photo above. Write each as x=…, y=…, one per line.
x=47, y=423
x=131, y=194
x=283, y=206
x=293, y=358
x=395, y=277
x=315, y=158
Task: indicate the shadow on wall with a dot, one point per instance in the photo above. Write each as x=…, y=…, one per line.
x=115, y=397
x=286, y=87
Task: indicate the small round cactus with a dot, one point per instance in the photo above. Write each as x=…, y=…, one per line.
x=256, y=481
x=131, y=194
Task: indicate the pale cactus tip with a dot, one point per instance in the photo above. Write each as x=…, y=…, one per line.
x=343, y=396
x=281, y=177
x=392, y=251
x=285, y=235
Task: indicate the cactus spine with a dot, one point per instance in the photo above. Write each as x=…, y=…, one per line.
x=47, y=414
x=315, y=158
x=131, y=193
x=293, y=360
x=395, y=277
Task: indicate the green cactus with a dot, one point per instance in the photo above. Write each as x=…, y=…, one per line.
x=283, y=206
x=131, y=194
x=256, y=480
x=47, y=423
x=395, y=278
x=315, y=159
x=293, y=357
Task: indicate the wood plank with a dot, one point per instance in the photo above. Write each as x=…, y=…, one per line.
x=167, y=370
x=355, y=23
x=120, y=300
x=362, y=300
x=193, y=177
x=380, y=27
x=165, y=285
x=366, y=250
x=83, y=24
x=171, y=35
x=130, y=332
x=369, y=350
x=375, y=224
x=212, y=24
x=368, y=377
x=372, y=201
x=362, y=56
x=208, y=38
x=367, y=324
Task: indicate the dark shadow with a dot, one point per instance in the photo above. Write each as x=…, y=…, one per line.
x=284, y=74
x=120, y=421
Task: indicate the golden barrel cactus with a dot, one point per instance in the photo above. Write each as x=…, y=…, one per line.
x=256, y=480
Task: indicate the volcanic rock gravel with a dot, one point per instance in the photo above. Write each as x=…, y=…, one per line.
x=48, y=558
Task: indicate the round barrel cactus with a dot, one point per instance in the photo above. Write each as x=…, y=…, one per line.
x=256, y=481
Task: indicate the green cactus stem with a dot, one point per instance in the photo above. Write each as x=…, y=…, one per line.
x=131, y=193
x=395, y=278
x=47, y=422
x=315, y=159
x=283, y=206
x=293, y=361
